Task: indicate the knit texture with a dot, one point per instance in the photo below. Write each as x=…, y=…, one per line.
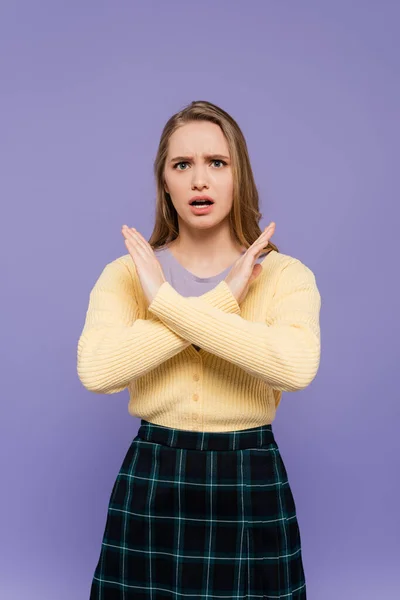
x=250, y=353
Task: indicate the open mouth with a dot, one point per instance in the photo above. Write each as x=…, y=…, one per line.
x=201, y=207
x=201, y=203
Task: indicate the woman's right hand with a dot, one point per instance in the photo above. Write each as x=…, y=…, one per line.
x=245, y=270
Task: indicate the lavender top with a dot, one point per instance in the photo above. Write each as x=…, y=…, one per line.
x=185, y=282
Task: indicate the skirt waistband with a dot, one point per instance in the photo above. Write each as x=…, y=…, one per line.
x=256, y=437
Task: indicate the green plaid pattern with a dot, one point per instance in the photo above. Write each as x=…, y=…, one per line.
x=197, y=514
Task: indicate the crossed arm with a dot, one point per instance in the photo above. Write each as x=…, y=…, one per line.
x=116, y=346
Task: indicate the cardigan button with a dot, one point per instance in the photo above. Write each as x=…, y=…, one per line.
x=196, y=376
x=195, y=396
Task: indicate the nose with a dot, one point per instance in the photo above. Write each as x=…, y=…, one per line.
x=199, y=179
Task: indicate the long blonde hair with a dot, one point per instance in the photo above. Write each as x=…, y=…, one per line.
x=244, y=215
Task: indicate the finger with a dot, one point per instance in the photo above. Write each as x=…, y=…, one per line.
x=143, y=240
x=268, y=230
x=127, y=233
x=129, y=236
x=267, y=233
x=259, y=246
x=130, y=241
x=142, y=244
x=262, y=241
x=130, y=246
x=134, y=239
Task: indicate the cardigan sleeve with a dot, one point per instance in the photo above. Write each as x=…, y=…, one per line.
x=115, y=346
x=284, y=352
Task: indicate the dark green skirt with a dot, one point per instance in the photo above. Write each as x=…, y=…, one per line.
x=200, y=515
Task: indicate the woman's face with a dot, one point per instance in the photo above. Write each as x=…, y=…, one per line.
x=198, y=163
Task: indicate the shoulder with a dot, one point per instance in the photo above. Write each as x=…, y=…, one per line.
x=277, y=263
x=283, y=270
x=120, y=271
x=126, y=262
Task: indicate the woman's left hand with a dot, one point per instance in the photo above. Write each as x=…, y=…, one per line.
x=147, y=266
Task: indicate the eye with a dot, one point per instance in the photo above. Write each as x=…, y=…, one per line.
x=180, y=163
x=216, y=160
x=220, y=161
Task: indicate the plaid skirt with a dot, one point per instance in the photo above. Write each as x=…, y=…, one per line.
x=197, y=514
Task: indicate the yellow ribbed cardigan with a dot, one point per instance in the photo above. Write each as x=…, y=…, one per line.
x=250, y=353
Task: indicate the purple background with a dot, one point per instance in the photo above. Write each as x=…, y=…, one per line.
x=86, y=89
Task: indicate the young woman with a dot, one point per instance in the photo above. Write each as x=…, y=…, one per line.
x=206, y=324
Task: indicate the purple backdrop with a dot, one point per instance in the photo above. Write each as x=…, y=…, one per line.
x=86, y=89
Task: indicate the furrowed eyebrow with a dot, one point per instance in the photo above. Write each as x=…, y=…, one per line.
x=206, y=156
